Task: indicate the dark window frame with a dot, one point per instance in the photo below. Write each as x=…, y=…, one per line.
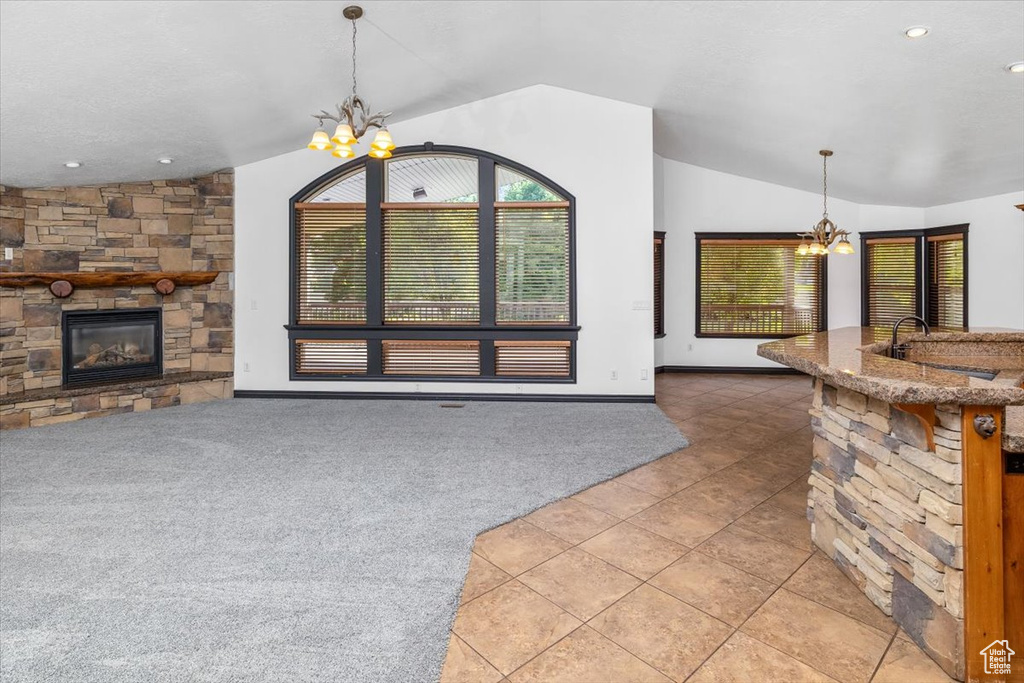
x=823, y=294
x=659, y=284
x=374, y=330
x=922, y=256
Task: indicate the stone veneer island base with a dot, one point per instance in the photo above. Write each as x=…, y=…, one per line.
x=907, y=496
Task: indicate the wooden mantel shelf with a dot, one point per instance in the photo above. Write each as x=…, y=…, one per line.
x=63, y=284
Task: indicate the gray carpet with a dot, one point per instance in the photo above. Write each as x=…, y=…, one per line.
x=285, y=540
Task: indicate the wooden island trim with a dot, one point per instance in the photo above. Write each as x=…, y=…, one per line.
x=984, y=598
x=62, y=285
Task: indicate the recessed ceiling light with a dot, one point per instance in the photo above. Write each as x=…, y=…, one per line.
x=916, y=32
x=73, y=164
x=1015, y=68
x=165, y=160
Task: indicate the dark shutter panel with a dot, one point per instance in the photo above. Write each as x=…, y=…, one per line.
x=532, y=263
x=659, y=284
x=946, y=280
x=331, y=272
x=759, y=288
x=431, y=264
x=891, y=288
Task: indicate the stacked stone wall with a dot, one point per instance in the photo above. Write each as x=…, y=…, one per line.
x=886, y=505
x=162, y=225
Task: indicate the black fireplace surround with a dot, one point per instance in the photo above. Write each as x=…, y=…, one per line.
x=111, y=346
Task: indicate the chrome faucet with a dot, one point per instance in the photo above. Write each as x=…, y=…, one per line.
x=899, y=351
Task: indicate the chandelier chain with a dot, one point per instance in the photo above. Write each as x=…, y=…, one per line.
x=824, y=186
x=354, y=57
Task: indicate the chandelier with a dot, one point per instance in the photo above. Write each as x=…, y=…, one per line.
x=821, y=236
x=353, y=117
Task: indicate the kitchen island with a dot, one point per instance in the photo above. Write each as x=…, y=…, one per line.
x=917, y=488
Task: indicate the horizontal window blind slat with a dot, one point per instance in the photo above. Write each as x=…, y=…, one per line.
x=946, y=280
x=440, y=358
x=331, y=272
x=532, y=359
x=759, y=288
x=892, y=287
x=342, y=357
x=532, y=264
x=431, y=265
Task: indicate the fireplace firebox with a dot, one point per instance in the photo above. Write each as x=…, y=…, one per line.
x=111, y=346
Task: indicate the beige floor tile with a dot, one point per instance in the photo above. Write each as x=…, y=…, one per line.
x=585, y=656
x=778, y=524
x=753, y=553
x=745, y=660
x=656, y=480
x=463, y=665
x=571, y=520
x=517, y=546
x=906, y=663
x=661, y=630
x=711, y=456
x=820, y=580
x=616, y=499
x=579, y=583
x=637, y=551
x=714, y=587
x=481, y=577
x=677, y=523
x=793, y=498
x=511, y=625
x=842, y=647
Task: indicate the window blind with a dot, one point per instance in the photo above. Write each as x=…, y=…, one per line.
x=946, y=280
x=532, y=263
x=532, y=358
x=331, y=272
x=757, y=287
x=335, y=357
x=431, y=264
x=659, y=284
x=891, y=287
x=440, y=358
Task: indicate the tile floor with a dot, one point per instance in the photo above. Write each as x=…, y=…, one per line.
x=696, y=567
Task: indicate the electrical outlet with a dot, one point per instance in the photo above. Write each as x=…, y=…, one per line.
x=245, y=366
x=615, y=374
x=417, y=388
x=689, y=347
x=253, y=305
x=643, y=373
x=8, y=253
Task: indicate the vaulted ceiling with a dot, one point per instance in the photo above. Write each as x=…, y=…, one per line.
x=750, y=88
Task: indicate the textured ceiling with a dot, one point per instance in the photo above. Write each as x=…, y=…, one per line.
x=750, y=88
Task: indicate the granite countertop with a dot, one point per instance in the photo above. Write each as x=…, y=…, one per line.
x=853, y=357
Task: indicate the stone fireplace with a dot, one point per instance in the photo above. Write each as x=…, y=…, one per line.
x=111, y=346
x=112, y=337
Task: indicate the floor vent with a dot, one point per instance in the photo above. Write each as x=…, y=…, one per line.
x=453, y=405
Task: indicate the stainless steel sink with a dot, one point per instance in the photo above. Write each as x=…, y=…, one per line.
x=980, y=374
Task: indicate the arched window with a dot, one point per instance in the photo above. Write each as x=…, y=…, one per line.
x=441, y=262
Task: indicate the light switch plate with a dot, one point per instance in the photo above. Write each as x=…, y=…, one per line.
x=8, y=253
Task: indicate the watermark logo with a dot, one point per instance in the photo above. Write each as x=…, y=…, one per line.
x=997, y=657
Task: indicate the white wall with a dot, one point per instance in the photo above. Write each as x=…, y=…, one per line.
x=692, y=199
x=563, y=135
x=995, y=256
